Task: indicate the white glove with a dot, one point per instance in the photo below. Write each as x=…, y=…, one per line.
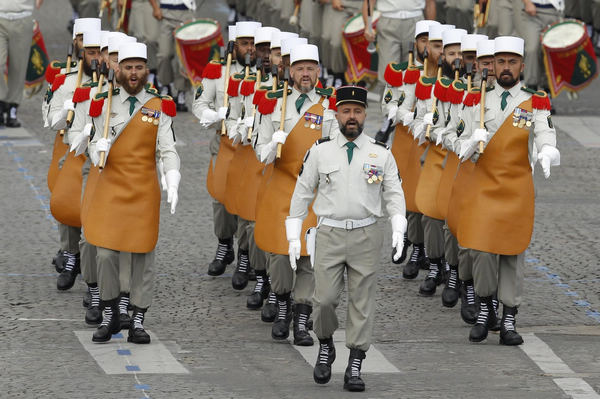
x=293, y=228
x=59, y=119
x=548, y=156
x=101, y=145
x=440, y=136
x=234, y=134
x=172, y=177
x=80, y=142
x=208, y=117
x=418, y=129
x=268, y=153
x=392, y=114
x=249, y=121
x=221, y=113
x=163, y=178
x=467, y=149
x=279, y=137
x=68, y=105
x=408, y=118
x=399, y=224
x=479, y=135
x=428, y=118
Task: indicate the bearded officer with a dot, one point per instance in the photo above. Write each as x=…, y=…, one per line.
x=352, y=174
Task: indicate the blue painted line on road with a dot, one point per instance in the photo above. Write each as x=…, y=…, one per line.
x=582, y=303
x=132, y=368
x=531, y=260
x=117, y=335
x=142, y=386
x=124, y=352
x=562, y=285
x=22, y=169
x=541, y=268
x=571, y=293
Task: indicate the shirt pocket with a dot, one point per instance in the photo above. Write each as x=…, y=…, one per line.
x=328, y=176
x=373, y=175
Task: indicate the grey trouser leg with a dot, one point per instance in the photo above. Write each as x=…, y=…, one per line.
x=433, y=230
x=596, y=14
x=415, y=227
x=450, y=247
x=226, y=224
x=510, y=279
x=242, y=234
x=258, y=258
x=338, y=251
x=282, y=277
x=125, y=261
x=393, y=38
x=145, y=27
x=485, y=272
x=465, y=264
x=69, y=237
x=535, y=75
x=89, y=270
x=108, y=273
x=505, y=17
x=15, y=42
x=142, y=279
x=166, y=49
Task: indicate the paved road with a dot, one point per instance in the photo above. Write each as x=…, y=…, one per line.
x=222, y=350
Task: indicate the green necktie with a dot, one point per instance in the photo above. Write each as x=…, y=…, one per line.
x=132, y=100
x=504, y=103
x=300, y=101
x=351, y=146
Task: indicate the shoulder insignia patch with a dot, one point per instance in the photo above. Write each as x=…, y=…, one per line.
x=460, y=128
x=199, y=91
x=550, y=124
x=388, y=96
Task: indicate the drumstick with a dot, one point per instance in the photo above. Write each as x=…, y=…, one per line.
x=411, y=54
x=484, y=75
x=226, y=83
x=469, y=77
x=294, y=17
x=286, y=76
x=434, y=100
x=70, y=114
x=371, y=48
x=111, y=75
x=256, y=88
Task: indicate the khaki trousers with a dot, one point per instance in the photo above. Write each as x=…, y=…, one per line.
x=300, y=283
x=15, y=42
x=596, y=14
x=433, y=230
x=146, y=28
x=258, y=257
x=393, y=38
x=242, y=234
x=356, y=252
x=168, y=63
x=141, y=276
x=225, y=224
x=332, y=25
x=69, y=237
x=501, y=273
x=460, y=13
x=450, y=247
x=415, y=227
x=465, y=264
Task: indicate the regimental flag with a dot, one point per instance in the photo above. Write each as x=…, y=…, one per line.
x=573, y=67
x=195, y=54
x=38, y=61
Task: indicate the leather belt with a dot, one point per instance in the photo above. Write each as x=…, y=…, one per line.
x=348, y=224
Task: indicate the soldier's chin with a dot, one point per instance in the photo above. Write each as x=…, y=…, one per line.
x=506, y=80
x=133, y=88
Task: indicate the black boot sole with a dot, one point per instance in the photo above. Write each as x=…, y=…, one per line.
x=308, y=341
x=138, y=340
x=354, y=387
x=510, y=343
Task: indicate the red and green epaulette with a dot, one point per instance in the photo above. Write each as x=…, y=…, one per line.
x=248, y=85
x=267, y=104
x=82, y=93
x=60, y=79
x=259, y=94
x=233, y=87
x=539, y=99
x=472, y=98
x=97, y=102
x=424, y=87
x=54, y=69
x=167, y=104
x=213, y=70
x=456, y=92
x=412, y=75
x=441, y=88
x=393, y=73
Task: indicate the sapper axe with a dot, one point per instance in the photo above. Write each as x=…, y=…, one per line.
x=484, y=75
x=434, y=100
x=71, y=114
x=275, y=75
x=411, y=54
x=286, y=77
x=469, y=68
x=230, y=46
x=256, y=87
x=69, y=57
x=110, y=78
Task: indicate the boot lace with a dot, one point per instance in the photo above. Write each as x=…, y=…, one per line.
x=123, y=303
x=107, y=317
x=243, y=263
x=324, y=354
x=433, y=270
x=509, y=322
x=453, y=279
x=138, y=320
x=470, y=294
x=70, y=264
x=355, y=367
x=222, y=250
x=483, y=314
x=282, y=310
x=302, y=319
x=95, y=292
x=260, y=282
x=416, y=251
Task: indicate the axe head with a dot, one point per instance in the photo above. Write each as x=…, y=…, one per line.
x=484, y=75
x=103, y=68
x=94, y=65
x=286, y=74
x=247, y=59
x=230, y=46
x=469, y=69
x=456, y=64
x=70, y=50
x=274, y=69
x=258, y=63
x=411, y=47
x=111, y=75
x=425, y=54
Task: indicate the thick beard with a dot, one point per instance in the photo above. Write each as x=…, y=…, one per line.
x=506, y=84
x=447, y=70
x=133, y=90
x=354, y=133
x=242, y=61
x=421, y=56
x=87, y=69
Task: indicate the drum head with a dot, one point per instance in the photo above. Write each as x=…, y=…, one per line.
x=356, y=23
x=563, y=34
x=196, y=30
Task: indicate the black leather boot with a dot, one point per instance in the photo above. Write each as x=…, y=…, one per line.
x=451, y=291
x=486, y=318
x=240, y=277
x=269, y=310
x=468, y=305
x=411, y=269
x=223, y=257
x=11, y=116
x=352, y=380
x=93, y=314
x=66, y=279
x=261, y=291
x=508, y=330
x=301, y=314
x=404, y=251
x=124, y=319
x=433, y=279
x=137, y=334
x=281, y=327
x=326, y=357
x=110, y=321
x=59, y=261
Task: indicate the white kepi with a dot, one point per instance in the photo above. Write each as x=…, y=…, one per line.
x=92, y=38
x=132, y=50
x=264, y=34
x=436, y=30
x=116, y=40
x=246, y=29
x=86, y=24
x=509, y=44
x=469, y=42
x=486, y=48
x=279, y=36
x=304, y=52
x=288, y=44
x=452, y=36
x=423, y=26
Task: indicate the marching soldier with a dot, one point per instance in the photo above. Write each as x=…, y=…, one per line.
x=125, y=205
x=351, y=174
x=291, y=122
x=499, y=222
x=208, y=107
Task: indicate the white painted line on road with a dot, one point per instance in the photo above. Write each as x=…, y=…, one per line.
x=545, y=358
x=120, y=357
x=375, y=362
x=581, y=128
x=47, y=319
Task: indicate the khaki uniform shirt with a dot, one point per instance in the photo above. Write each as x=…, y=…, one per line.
x=63, y=93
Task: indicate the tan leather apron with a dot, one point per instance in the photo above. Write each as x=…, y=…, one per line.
x=65, y=199
x=88, y=192
x=459, y=196
x=124, y=210
x=401, y=147
x=216, y=179
x=58, y=151
x=274, y=205
x=251, y=177
x=411, y=177
x=446, y=182
x=500, y=218
x=429, y=181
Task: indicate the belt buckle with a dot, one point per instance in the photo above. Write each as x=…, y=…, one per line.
x=349, y=224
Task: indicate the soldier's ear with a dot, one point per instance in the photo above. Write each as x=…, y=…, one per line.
x=522, y=66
